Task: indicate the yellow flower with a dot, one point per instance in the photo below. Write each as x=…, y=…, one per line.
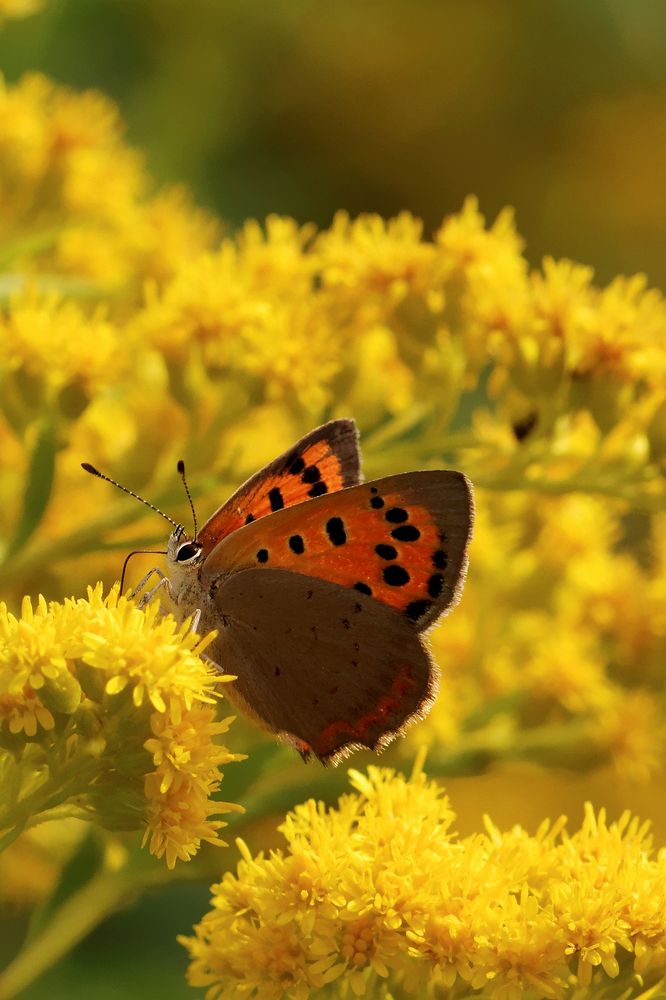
x=570, y=619
x=52, y=344
x=631, y=730
x=91, y=692
x=59, y=149
x=289, y=369
x=370, y=266
x=74, y=140
x=180, y=790
x=486, y=278
x=170, y=229
x=133, y=650
x=378, y=894
x=217, y=299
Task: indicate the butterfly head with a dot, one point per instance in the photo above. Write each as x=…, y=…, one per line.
x=184, y=559
x=182, y=550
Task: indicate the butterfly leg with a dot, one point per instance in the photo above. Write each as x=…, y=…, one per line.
x=142, y=583
x=211, y=662
x=196, y=619
x=163, y=582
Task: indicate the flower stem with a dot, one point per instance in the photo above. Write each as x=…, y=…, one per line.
x=78, y=915
x=49, y=801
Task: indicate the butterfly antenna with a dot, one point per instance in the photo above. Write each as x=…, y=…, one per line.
x=181, y=471
x=100, y=475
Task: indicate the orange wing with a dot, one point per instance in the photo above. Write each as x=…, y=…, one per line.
x=324, y=461
x=401, y=540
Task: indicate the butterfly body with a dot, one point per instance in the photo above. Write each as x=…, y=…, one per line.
x=320, y=588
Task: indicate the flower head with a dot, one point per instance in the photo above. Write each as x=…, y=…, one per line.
x=379, y=890
x=104, y=705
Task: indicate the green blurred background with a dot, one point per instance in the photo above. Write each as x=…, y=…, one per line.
x=302, y=107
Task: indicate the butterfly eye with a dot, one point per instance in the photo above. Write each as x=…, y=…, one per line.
x=188, y=551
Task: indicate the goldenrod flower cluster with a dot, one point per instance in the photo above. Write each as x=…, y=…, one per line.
x=107, y=713
x=562, y=631
x=380, y=897
x=77, y=201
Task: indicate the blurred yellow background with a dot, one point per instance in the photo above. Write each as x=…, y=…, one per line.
x=303, y=107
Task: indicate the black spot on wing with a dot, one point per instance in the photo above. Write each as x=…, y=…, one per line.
x=249, y=519
x=311, y=475
x=297, y=466
x=435, y=584
x=363, y=588
x=297, y=545
x=318, y=490
x=396, y=576
x=396, y=515
x=377, y=503
x=335, y=529
x=440, y=559
x=406, y=533
x=275, y=498
x=262, y=555
x=416, y=609
x=386, y=551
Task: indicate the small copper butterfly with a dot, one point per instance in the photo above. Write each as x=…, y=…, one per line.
x=321, y=587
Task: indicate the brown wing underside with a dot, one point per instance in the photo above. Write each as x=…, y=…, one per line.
x=324, y=461
x=401, y=540
x=328, y=668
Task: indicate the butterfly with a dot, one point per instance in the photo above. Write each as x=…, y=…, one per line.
x=321, y=587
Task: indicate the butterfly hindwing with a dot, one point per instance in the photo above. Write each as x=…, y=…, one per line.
x=328, y=668
x=324, y=461
x=401, y=540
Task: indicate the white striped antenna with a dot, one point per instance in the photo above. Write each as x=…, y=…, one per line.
x=100, y=475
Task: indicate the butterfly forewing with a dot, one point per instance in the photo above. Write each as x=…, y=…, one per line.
x=324, y=461
x=401, y=541
x=327, y=667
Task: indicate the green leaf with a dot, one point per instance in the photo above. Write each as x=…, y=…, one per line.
x=38, y=489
